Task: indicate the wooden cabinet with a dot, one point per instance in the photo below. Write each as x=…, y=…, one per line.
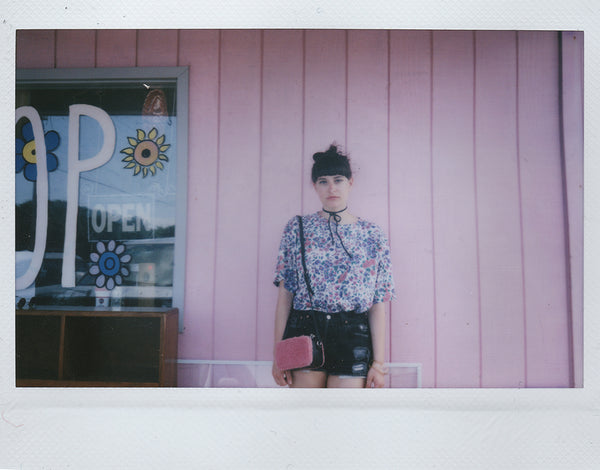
x=96, y=349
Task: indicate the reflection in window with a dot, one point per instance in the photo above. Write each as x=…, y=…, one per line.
x=127, y=208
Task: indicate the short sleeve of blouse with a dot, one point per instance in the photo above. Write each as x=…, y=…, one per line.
x=384, y=286
x=285, y=268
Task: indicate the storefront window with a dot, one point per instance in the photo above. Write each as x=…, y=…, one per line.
x=100, y=188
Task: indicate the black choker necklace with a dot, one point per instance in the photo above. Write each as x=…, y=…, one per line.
x=335, y=215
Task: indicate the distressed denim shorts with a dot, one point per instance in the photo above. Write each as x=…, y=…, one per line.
x=346, y=338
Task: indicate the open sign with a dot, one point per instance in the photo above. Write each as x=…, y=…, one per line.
x=110, y=219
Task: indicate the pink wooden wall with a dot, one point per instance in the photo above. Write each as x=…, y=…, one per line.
x=467, y=148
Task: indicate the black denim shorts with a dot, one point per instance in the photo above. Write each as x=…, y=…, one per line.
x=346, y=338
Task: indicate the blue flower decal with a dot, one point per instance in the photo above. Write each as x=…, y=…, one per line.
x=109, y=264
x=26, y=157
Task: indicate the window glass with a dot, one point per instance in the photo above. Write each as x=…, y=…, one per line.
x=111, y=221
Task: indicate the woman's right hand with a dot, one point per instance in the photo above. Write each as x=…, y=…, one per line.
x=282, y=311
x=282, y=377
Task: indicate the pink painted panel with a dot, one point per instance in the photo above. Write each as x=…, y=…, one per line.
x=35, y=48
x=238, y=195
x=411, y=233
x=455, y=227
x=501, y=273
x=76, y=48
x=368, y=123
x=116, y=48
x=199, y=50
x=325, y=100
x=572, y=96
x=546, y=312
x=367, y=127
x=281, y=165
x=157, y=47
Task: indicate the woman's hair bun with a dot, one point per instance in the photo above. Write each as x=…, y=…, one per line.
x=330, y=162
x=332, y=151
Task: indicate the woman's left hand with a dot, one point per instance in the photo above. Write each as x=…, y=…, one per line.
x=375, y=378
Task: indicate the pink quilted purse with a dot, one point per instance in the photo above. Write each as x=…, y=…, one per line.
x=299, y=352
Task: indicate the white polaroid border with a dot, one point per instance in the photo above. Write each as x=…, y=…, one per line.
x=281, y=428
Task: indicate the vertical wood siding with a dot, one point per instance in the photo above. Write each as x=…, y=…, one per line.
x=116, y=48
x=500, y=261
x=454, y=210
x=75, y=48
x=413, y=331
x=572, y=132
x=281, y=159
x=199, y=50
x=238, y=185
x=467, y=150
x=541, y=204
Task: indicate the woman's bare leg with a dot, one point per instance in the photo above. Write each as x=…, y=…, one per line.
x=308, y=379
x=334, y=381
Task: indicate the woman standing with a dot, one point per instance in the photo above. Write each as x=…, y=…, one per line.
x=349, y=267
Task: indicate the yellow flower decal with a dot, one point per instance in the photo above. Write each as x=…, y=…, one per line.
x=146, y=153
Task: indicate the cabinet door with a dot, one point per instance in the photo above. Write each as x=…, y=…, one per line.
x=37, y=346
x=112, y=349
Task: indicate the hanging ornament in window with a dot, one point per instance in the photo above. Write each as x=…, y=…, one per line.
x=155, y=104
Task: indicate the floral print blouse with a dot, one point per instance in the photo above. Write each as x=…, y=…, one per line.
x=347, y=273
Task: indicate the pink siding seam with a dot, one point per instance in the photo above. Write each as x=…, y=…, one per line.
x=137, y=41
x=518, y=126
x=177, y=47
x=570, y=352
x=431, y=183
x=260, y=171
x=347, y=58
x=55, y=47
x=96, y=48
x=302, y=164
x=477, y=247
x=389, y=178
x=214, y=300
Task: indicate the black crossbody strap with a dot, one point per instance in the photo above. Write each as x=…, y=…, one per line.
x=302, y=252
x=306, y=276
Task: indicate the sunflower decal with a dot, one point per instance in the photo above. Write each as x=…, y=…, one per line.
x=109, y=264
x=26, y=158
x=146, y=152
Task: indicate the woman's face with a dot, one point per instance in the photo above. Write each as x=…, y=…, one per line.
x=333, y=191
